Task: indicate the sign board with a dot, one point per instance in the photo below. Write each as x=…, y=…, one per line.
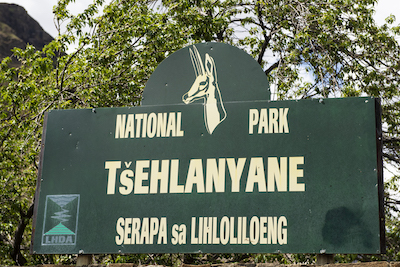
x=205, y=165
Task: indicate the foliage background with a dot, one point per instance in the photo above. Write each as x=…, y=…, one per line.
x=307, y=48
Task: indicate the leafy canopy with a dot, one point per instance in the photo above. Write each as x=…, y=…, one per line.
x=307, y=48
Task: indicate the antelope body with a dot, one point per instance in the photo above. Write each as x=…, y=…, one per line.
x=205, y=86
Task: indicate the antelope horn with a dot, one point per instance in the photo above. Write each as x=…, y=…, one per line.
x=193, y=59
x=195, y=56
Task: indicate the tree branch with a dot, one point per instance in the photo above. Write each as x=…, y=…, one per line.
x=273, y=66
x=391, y=157
x=266, y=38
x=18, y=237
x=390, y=139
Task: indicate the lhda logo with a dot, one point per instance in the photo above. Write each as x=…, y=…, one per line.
x=60, y=220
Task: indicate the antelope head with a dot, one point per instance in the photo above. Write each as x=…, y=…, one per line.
x=205, y=87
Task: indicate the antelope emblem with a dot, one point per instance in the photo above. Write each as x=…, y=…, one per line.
x=205, y=86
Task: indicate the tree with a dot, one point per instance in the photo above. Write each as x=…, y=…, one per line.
x=307, y=48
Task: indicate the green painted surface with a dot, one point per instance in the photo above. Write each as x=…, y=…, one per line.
x=209, y=164
x=239, y=76
x=329, y=148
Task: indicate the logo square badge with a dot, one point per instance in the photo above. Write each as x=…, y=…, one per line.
x=60, y=219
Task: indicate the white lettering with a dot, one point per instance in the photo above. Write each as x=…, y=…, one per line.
x=120, y=126
x=235, y=172
x=295, y=173
x=256, y=175
x=157, y=175
x=253, y=119
x=195, y=176
x=269, y=120
x=215, y=175
x=174, y=187
x=112, y=167
x=149, y=125
x=130, y=131
x=127, y=182
x=120, y=231
x=270, y=174
x=141, y=176
x=152, y=125
x=277, y=175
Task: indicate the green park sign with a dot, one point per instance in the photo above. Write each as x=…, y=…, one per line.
x=209, y=164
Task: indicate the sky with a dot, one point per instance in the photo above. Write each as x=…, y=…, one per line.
x=41, y=11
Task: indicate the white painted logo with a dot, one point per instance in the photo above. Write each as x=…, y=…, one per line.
x=205, y=87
